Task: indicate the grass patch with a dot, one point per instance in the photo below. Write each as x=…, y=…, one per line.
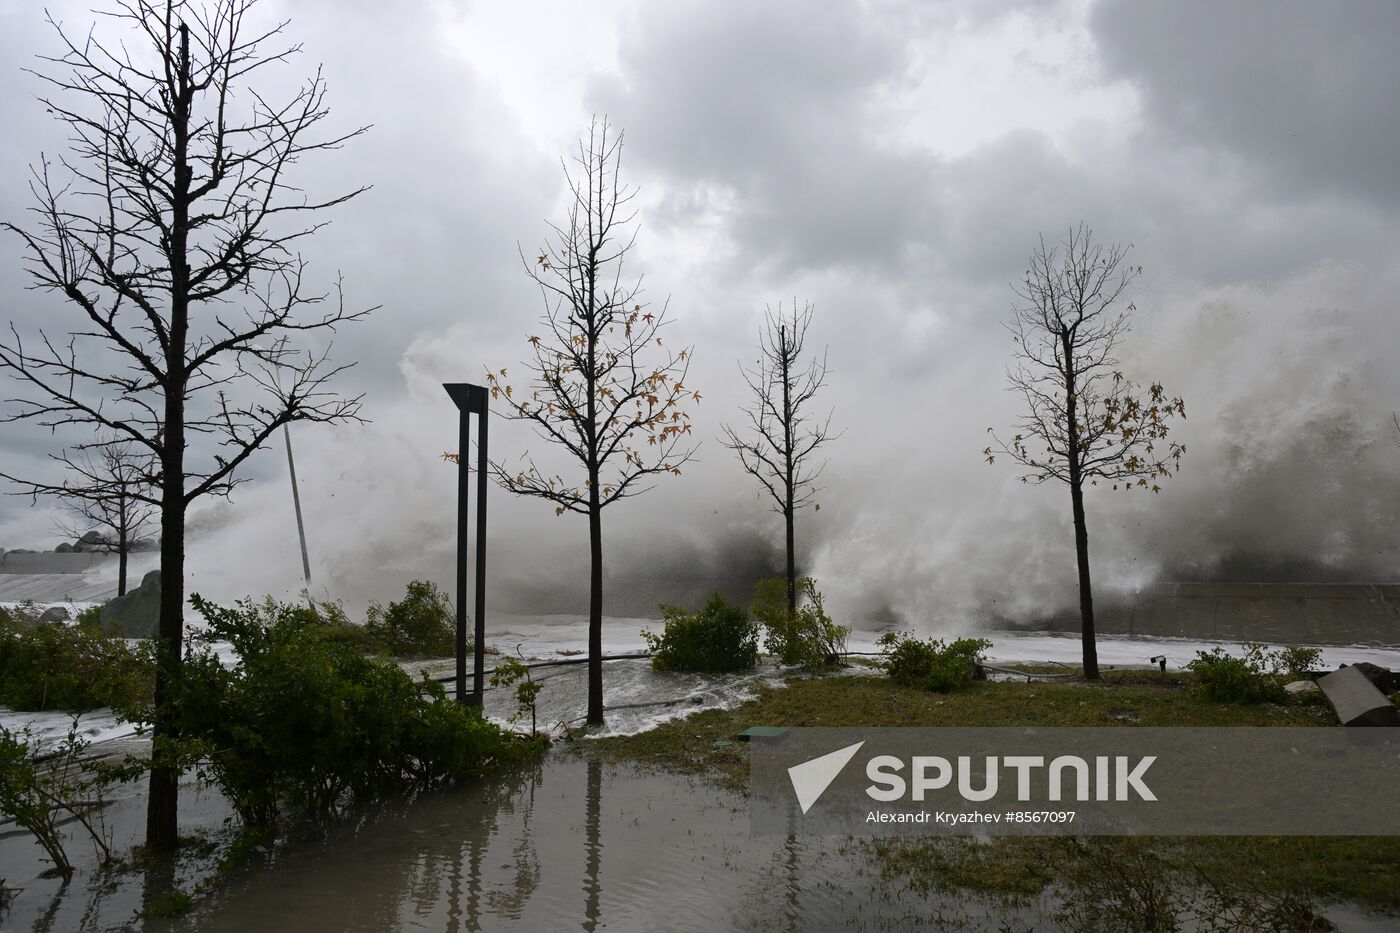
x=1267, y=875
x=1122, y=698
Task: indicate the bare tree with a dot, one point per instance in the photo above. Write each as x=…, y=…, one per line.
x=780, y=444
x=1084, y=421
x=603, y=387
x=108, y=491
x=172, y=239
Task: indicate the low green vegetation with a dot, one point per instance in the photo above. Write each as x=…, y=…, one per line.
x=720, y=638
x=422, y=624
x=168, y=905
x=82, y=665
x=91, y=616
x=1122, y=698
x=807, y=638
x=305, y=721
x=55, y=665
x=1152, y=884
x=509, y=671
x=1256, y=676
x=933, y=664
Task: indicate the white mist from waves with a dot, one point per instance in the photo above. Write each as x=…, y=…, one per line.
x=1290, y=468
x=380, y=509
x=1288, y=394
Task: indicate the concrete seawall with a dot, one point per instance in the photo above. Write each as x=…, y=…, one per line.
x=1286, y=613
x=49, y=577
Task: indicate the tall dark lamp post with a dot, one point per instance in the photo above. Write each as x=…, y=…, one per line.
x=470, y=399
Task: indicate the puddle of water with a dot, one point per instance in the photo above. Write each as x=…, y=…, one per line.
x=99, y=899
x=574, y=843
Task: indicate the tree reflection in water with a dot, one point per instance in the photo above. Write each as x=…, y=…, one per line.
x=522, y=851
x=592, y=847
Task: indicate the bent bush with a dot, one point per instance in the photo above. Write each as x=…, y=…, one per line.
x=43, y=788
x=807, y=638
x=422, y=624
x=306, y=721
x=933, y=664
x=718, y=639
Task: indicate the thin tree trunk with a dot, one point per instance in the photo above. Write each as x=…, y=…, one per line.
x=595, y=609
x=785, y=361
x=1086, y=592
x=791, y=560
x=1081, y=528
x=162, y=821
x=162, y=812
x=121, y=562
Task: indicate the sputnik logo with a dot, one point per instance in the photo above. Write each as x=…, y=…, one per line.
x=811, y=778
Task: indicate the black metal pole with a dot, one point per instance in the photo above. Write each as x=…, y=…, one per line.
x=464, y=433
x=479, y=648
x=296, y=504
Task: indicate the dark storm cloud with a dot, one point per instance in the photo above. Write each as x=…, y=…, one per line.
x=783, y=151
x=766, y=113
x=908, y=251
x=1307, y=92
x=432, y=242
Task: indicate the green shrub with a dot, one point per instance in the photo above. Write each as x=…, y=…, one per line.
x=1255, y=677
x=168, y=905
x=717, y=639
x=306, y=721
x=91, y=617
x=527, y=690
x=21, y=615
x=933, y=664
x=422, y=624
x=1296, y=661
x=54, y=665
x=807, y=638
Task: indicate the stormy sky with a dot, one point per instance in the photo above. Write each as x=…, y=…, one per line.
x=893, y=163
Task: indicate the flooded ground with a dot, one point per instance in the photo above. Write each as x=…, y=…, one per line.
x=571, y=844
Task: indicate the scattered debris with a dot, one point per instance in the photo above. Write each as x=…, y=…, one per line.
x=1356, y=700
x=1384, y=679
x=762, y=732
x=1029, y=675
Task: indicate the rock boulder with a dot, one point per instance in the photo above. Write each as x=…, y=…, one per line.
x=137, y=614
